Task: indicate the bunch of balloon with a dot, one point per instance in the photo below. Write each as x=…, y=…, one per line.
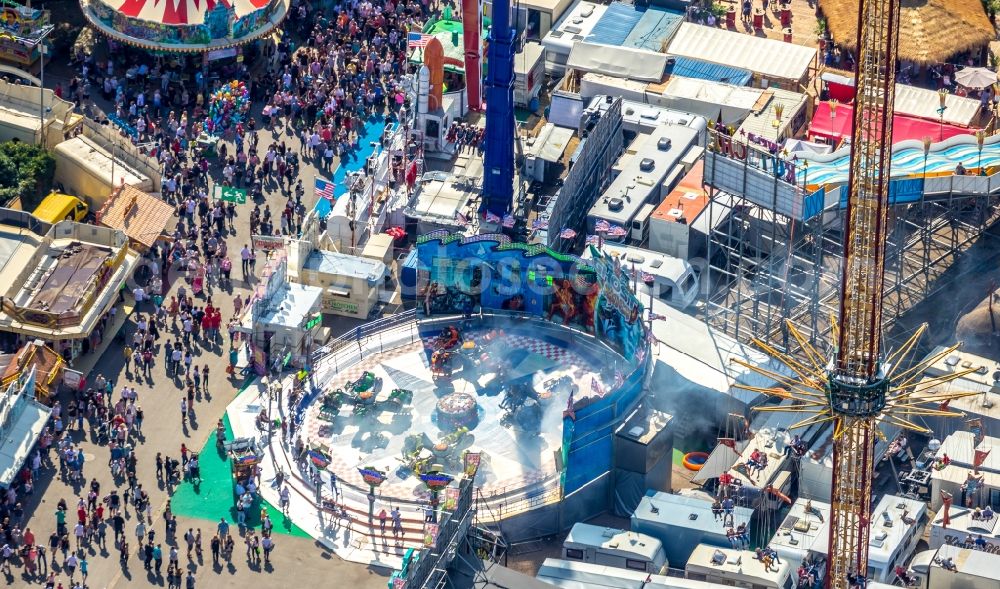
x=227, y=106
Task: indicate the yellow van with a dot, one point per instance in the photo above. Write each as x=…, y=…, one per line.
x=61, y=207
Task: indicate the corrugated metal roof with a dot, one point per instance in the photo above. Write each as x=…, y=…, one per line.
x=687, y=67
x=616, y=24
x=626, y=25
x=654, y=29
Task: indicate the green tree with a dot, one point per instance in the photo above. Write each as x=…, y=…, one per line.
x=26, y=171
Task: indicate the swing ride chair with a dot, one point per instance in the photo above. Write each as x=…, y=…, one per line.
x=397, y=402
x=419, y=452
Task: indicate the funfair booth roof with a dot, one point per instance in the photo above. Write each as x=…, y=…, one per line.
x=158, y=16
x=913, y=101
x=620, y=62
x=181, y=12
x=930, y=31
x=837, y=126
x=768, y=57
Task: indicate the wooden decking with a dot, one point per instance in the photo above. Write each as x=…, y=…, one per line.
x=803, y=21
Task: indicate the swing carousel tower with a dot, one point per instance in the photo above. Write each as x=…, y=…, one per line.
x=857, y=386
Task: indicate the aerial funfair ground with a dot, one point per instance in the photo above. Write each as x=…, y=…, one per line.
x=516, y=369
x=186, y=26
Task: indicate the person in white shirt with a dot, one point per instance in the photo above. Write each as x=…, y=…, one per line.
x=245, y=257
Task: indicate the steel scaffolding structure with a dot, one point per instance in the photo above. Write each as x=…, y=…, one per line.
x=765, y=268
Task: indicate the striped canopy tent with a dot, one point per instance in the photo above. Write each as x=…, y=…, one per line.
x=185, y=26
x=180, y=12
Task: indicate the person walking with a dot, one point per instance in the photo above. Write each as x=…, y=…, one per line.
x=268, y=545
x=215, y=545
x=158, y=558
x=245, y=258
x=174, y=567
x=189, y=540
x=223, y=528
x=70, y=565
x=397, y=522
x=127, y=353
x=284, y=498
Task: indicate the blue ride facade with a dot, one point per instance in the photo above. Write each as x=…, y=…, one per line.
x=592, y=299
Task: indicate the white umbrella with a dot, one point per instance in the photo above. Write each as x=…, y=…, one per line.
x=975, y=77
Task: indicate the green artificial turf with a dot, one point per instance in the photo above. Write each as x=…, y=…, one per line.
x=213, y=498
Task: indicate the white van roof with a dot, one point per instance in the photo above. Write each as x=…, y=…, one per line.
x=614, y=540
x=921, y=561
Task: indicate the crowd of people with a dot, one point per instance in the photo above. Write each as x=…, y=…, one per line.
x=310, y=102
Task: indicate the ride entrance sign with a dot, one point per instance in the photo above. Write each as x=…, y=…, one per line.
x=230, y=194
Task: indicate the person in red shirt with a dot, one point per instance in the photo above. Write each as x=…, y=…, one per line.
x=216, y=319
x=206, y=325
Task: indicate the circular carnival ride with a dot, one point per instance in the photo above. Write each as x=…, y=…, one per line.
x=521, y=384
x=185, y=26
x=485, y=386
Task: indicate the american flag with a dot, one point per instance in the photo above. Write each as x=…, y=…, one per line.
x=567, y=233
x=596, y=387
x=492, y=218
x=593, y=240
x=415, y=40
x=538, y=224
x=602, y=226
x=508, y=220
x=462, y=219
x=324, y=188
x=640, y=354
x=570, y=411
x=617, y=231
x=646, y=276
x=656, y=316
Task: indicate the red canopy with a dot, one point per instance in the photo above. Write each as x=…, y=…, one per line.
x=903, y=127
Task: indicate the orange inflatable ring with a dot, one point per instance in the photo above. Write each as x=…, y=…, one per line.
x=694, y=460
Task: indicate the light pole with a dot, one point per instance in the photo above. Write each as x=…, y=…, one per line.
x=980, y=137
x=42, y=48
x=942, y=98
x=927, y=151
